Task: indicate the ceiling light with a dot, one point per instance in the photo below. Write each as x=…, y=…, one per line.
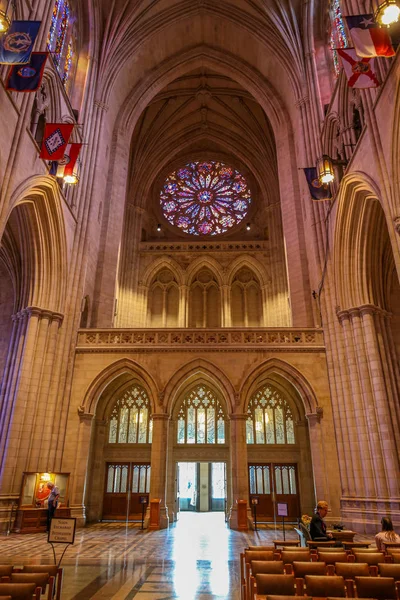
x=4, y=21
x=248, y=226
x=158, y=227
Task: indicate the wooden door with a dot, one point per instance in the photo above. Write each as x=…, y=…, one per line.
x=285, y=486
x=125, y=483
x=140, y=486
x=260, y=486
x=272, y=484
x=115, y=503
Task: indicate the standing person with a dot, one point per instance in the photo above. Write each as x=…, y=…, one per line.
x=52, y=502
x=386, y=535
x=317, y=525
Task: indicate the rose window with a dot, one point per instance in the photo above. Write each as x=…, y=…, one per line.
x=205, y=198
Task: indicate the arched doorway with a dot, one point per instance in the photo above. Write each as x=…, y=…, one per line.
x=199, y=450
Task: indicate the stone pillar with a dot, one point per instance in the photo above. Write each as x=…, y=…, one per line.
x=240, y=481
x=25, y=437
x=183, y=319
x=76, y=462
x=159, y=457
x=226, y=306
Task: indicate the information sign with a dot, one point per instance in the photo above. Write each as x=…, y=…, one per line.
x=143, y=499
x=282, y=509
x=254, y=500
x=62, y=531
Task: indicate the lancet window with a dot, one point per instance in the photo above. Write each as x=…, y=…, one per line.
x=130, y=421
x=61, y=41
x=163, y=301
x=338, y=38
x=269, y=418
x=205, y=301
x=201, y=418
x=246, y=302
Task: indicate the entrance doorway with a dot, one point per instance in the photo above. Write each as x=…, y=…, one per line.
x=201, y=486
x=125, y=484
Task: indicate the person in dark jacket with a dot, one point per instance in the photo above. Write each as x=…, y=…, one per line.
x=317, y=525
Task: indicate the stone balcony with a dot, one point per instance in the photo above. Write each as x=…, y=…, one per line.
x=179, y=339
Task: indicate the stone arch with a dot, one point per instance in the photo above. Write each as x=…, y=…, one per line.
x=36, y=214
x=158, y=265
x=115, y=377
x=252, y=264
x=360, y=274
x=206, y=262
x=198, y=370
x=284, y=376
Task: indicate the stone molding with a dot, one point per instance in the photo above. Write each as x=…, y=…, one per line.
x=238, y=417
x=84, y=416
x=226, y=339
x=397, y=224
x=360, y=311
x=161, y=247
x=101, y=105
x=35, y=311
x=317, y=416
x=160, y=416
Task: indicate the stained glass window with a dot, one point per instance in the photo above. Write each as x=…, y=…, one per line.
x=205, y=198
x=338, y=37
x=201, y=419
x=269, y=418
x=61, y=38
x=130, y=421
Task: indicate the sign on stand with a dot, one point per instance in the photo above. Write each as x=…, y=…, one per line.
x=62, y=531
x=283, y=512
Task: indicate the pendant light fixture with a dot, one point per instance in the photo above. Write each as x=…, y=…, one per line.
x=388, y=12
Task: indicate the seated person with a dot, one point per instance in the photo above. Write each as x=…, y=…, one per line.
x=386, y=535
x=318, y=526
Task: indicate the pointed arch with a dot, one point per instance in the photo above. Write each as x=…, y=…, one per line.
x=116, y=376
x=197, y=371
x=363, y=237
x=280, y=372
x=252, y=264
x=36, y=218
x=206, y=262
x=158, y=265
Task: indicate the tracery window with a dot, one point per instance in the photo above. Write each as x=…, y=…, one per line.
x=130, y=421
x=163, y=301
x=246, y=305
x=201, y=419
x=205, y=198
x=269, y=418
x=338, y=38
x=61, y=41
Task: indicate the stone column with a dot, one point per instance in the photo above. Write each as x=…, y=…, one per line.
x=183, y=319
x=226, y=320
x=76, y=460
x=239, y=466
x=317, y=453
x=159, y=456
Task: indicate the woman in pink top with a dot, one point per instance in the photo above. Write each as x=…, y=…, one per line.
x=386, y=535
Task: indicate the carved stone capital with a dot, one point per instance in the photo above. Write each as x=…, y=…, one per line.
x=160, y=416
x=317, y=416
x=238, y=417
x=397, y=224
x=83, y=415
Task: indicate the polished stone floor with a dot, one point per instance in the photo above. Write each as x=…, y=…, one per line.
x=195, y=559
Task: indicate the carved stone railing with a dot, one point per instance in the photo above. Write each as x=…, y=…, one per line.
x=155, y=247
x=228, y=339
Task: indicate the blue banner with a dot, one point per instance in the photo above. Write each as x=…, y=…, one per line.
x=27, y=78
x=318, y=191
x=17, y=44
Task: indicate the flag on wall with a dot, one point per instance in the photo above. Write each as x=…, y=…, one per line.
x=27, y=78
x=17, y=44
x=67, y=164
x=55, y=140
x=318, y=190
x=368, y=38
x=359, y=71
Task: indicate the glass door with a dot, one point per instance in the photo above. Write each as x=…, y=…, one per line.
x=187, y=486
x=218, y=486
x=125, y=484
